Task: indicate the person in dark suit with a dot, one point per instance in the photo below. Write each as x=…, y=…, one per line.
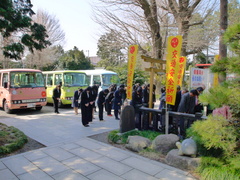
x=100, y=102
x=75, y=103
x=117, y=102
x=56, y=97
x=86, y=106
x=187, y=105
x=136, y=102
x=146, y=92
x=108, y=100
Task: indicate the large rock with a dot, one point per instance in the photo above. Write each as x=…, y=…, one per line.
x=137, y=143
x=165, y=143
x=187, y=147
x=182, y=162
x=127, y=119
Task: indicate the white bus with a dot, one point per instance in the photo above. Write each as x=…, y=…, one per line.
x=101, y=77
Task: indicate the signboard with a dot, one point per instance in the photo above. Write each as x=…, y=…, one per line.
x=132, y=56
x=174, y=45
x=201, y=77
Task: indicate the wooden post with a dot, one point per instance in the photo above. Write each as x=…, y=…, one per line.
x=152, y=70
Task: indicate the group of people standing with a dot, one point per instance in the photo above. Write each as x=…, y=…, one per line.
x=107, y=99
x=140, y=97
x=114, y=97
x=186, y=102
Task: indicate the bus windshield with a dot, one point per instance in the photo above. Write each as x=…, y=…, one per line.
x=109, y=79
x=74, y=79
x=26, y=79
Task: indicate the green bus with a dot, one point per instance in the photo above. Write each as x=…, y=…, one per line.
x=69, y=80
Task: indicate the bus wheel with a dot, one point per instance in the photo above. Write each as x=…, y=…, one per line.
x=38, y=108
x=6, y=108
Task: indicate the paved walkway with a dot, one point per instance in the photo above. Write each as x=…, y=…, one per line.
x=71, y=155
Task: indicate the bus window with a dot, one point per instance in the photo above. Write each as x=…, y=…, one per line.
x=39, y=79
x=96, y=80
x=58, y=79
x=22, y=79
x=5, y=78
x=49, y=79
x=88, y=80
x=109, y=79
x=74, y=79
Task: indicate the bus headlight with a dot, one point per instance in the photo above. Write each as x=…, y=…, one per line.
x=68, y=98
x=17, y=102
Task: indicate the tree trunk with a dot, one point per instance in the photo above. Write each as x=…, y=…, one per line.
x=150, y=13
x=223, y=27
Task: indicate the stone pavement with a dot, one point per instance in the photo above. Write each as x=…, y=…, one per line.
x=71, y=155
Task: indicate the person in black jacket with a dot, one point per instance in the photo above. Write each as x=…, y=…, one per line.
x=100, y=102
x=136, y=102
x=146, y=92
x=86, y=106
x=56, y=97
x=94, y=97
x=75, y=103
x=108, y=100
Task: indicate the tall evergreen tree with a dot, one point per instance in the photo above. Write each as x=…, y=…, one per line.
x=75, y=60
x=110, y=50
x=16, y=22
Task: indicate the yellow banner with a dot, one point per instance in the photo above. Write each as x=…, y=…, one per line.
x=132, y=56
x=215, y=75
x=180, y=69
x=174, y=45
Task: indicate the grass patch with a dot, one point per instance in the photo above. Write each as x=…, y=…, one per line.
x=11, y=139
x=212, y=168
x=116, y=137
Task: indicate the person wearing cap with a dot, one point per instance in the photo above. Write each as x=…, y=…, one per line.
x=56, y=97
x=187, y=105
x=198, y=106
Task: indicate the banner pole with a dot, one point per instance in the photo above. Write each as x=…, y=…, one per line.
x=166, y=120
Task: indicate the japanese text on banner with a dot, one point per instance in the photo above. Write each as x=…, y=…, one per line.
x=132, y=56
x=173, y=56
x=180, y=70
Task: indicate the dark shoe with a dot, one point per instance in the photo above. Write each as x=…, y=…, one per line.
x=101, y=120
x=57, y=112
x=117, y=118
x=86, y=125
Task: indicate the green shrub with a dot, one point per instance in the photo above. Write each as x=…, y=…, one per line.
x=113, y=136
x=216, y=140
x=216, y=133
x=216, y=169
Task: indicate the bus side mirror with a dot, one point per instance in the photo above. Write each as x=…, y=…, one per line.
x=5, y=84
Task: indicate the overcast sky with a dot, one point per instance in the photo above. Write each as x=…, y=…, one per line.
x=75, y=20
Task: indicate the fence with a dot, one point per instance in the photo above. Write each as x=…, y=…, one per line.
x=159, y=116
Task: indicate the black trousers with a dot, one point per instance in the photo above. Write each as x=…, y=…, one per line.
x=109, y=108
x=100, y=111
x=55, y=105
x=86, y=114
